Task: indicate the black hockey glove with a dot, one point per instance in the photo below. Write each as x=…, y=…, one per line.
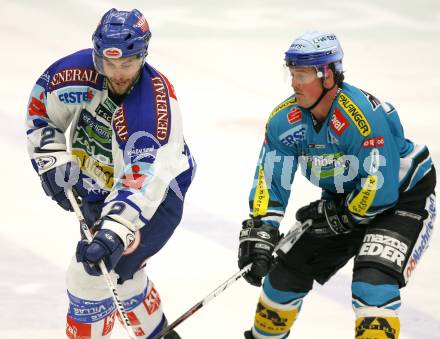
x=257, y=242
x=328, y=218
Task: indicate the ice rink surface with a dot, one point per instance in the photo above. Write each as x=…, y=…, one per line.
x=225, y=61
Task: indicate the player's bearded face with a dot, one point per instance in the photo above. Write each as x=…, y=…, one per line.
x=306, y=85
x=122, y=73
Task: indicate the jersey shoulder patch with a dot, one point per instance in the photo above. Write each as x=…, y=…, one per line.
x=157, y=76
x=286, y=123
x=289, y=102
x=76, y=69
x=353, y=104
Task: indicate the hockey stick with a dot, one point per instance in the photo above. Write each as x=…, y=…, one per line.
x=284, y=245
x=111, y=286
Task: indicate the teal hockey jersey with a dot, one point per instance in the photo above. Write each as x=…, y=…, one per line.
x=359, y=152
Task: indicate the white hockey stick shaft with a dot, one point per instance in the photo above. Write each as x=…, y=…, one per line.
x=284, y=245
x=106, y=275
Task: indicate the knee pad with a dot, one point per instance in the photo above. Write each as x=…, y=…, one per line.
x=375, y=293
x=385, y=250
x=397, y=242
x=276, y=312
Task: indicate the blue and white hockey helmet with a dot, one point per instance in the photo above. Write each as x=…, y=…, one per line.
x=315, y=49
x=120, y=34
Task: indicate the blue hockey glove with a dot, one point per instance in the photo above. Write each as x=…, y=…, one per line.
x=56, y=180
x=328, y=218
x=257, y=243
x=106, y=245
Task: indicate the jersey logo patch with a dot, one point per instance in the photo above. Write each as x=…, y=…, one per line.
x=161, y=106
x=355, y=114
x=96, y=170
x=112, y=53
x=261, y=198
x=424, y=238
x=387, y=249
x=373, y=142
x=284, y=104
x=135, y=179
x=294, y=115
x=364, y=199
x=120, y=124
x=37, y=107
x=78, y=96
x=338, y=124
x=293, y=135
x=108, y=324
x=152, y=301
x=74, y=76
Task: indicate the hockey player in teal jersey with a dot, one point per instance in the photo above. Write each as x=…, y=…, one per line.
x=377, y=203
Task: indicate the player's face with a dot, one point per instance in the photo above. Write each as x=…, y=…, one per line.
x=121, y=73
x=306, y=85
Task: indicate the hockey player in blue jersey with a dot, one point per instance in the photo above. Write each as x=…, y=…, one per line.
x=377, y=203
x=128, y=163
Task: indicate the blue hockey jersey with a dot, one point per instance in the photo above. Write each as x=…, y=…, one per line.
x=129, y=154
x=358, y=151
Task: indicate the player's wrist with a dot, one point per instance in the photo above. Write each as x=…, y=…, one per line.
x=47, y=160
x=125, y=234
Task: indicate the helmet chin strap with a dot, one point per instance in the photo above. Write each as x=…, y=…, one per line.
x=324, y=92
